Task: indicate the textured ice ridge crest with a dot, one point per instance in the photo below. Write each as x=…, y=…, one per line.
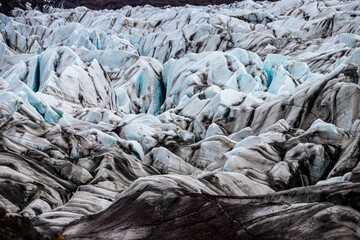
x=183, y=122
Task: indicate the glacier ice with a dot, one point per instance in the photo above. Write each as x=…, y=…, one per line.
x=180, y=111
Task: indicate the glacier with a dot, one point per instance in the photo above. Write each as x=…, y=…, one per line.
x=230, y=121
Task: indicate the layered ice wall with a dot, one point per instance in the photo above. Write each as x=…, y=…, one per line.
x=211, y=122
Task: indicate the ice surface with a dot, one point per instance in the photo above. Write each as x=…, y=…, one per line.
x=238, y=99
